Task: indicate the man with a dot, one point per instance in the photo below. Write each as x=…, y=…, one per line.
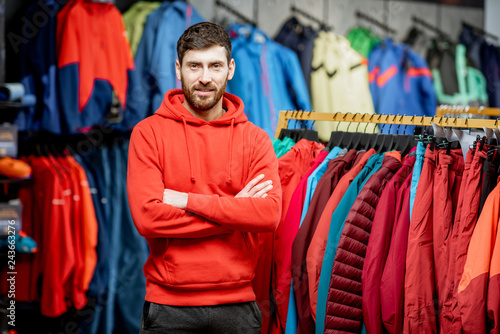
x=197, y=193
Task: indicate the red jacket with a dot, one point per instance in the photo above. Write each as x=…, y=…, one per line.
x=393, y=277
x=205, y=254
x=282, y=267
x=420, y=288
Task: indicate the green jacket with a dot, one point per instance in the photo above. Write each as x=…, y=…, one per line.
x=135, y=18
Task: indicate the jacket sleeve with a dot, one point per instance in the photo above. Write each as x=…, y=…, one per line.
x=152, y=217
x=141, y=81
x=247, y=214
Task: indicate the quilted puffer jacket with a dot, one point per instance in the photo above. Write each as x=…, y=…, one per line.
x=344, y=306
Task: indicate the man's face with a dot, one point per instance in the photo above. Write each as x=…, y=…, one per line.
x=204, y=75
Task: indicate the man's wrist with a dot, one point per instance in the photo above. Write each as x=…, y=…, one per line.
x=184, y=201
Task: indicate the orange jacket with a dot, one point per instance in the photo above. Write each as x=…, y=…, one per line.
x=478, y=291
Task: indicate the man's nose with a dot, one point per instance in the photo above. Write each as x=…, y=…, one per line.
x=205, y=77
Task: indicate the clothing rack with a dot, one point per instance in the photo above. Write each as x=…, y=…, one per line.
x=321, y=23
x=480, y=31
x=429, y=26
x=376, y=22
x=448, y=122
x=450, y=109
x=235, y=12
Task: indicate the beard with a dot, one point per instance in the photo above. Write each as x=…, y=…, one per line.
x=203, y=103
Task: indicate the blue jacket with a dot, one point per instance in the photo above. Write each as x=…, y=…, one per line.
x=38, y=72
x=154, y=72
x=400, y=83
x=268, y=77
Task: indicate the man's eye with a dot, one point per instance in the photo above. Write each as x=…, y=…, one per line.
x=193, y=66
x=217, y=66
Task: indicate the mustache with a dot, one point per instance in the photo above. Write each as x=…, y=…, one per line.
x=209, y=86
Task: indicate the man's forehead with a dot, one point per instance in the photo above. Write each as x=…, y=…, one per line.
x=215, y=52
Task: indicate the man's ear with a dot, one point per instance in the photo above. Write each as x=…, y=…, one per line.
x=178, y=69
x=232, y=67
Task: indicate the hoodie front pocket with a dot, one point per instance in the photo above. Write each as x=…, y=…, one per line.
x=223, y=259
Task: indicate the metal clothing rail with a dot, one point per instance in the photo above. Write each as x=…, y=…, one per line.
x=479, y=31
x=376, y=22
x=451, y=109
x=235, y=13
x=321, y=23
x=448, y=122
x=429, y=26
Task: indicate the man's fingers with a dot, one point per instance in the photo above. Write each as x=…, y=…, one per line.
x=252, y=183
x=259, y=187
x=264, y=191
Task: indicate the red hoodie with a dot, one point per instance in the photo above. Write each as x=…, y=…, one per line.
x=205, y=254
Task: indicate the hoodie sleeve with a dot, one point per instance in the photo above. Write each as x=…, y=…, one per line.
x=152, y=217
x=247, y=214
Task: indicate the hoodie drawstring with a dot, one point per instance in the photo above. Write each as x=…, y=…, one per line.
x=228, y=177
x=187, y=145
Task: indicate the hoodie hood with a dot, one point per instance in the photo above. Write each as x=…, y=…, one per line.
x=172, y=108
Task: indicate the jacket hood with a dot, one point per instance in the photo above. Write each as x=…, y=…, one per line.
x=172, y=108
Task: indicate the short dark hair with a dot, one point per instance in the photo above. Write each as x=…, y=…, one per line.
x=201, y=36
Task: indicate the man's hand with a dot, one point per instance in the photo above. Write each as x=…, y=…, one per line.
x=175, y=198
x=256, y=189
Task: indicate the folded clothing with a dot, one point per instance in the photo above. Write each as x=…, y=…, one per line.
x=15, y=92
x=14, y=168
x=24, y=243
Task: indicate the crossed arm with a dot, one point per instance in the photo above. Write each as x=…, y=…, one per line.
x=253, y=189
x=164, y=213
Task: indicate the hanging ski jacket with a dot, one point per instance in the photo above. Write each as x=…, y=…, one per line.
x=338, y=82
x=419, y=291
x=271, y=78
x=292, y=168
x=317, y=246
x=282, y=272
x=478, y=297
x=392, y=280
x=93, y=60
x=135, y=18
x=362, y=40
x=337, y=168
x=38, y=73
x=336, y=226
x=455, y=81
x=300, y=39
x=282, y=146
x=486, y=57
x=378, y=247
x=155, y=58
x=400, y=82
x=463, y=227
x=312, y=181
x=343, y=308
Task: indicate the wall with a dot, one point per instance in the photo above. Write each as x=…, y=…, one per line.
x=339, y=13
x=491, y=21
